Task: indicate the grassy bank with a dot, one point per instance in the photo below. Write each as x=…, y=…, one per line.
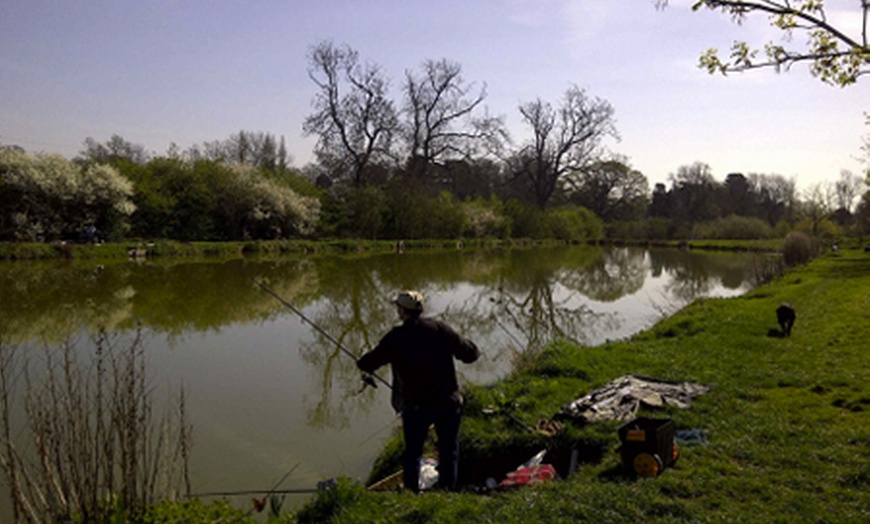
x=787, y=421
x=170, y=248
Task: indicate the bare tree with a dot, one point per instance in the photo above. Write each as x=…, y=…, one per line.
x=817, y=204
x=353, y=119
x=116, y=148
x=835, y=56
x=847, y=189
x=564, y=140
x=442, y=121
x=254, y=148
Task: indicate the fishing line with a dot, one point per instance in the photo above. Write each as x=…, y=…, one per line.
x=259, y=505
x=255, y=492
x=381, y=430
x=291, y=470
x=274, y=489
x=320, y=330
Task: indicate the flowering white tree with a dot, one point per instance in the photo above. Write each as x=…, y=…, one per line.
x=258, y=207
x=47, y=197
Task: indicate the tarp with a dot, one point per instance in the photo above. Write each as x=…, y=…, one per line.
x=620, y=399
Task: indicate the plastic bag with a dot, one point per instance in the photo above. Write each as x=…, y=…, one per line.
x=428, y=474
x=529, y=476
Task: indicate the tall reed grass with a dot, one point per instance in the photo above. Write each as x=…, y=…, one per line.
x=97, y=451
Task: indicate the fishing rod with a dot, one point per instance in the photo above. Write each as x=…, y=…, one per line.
x=366, y=378
x=255, y=492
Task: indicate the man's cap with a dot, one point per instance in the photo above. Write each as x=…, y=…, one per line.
x=411, y=300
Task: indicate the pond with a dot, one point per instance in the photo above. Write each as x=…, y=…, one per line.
x=266, y=393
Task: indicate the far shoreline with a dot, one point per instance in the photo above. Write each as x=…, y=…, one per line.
x=137, y=249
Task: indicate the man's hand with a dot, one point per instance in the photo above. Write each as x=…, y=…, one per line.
x=368, y=380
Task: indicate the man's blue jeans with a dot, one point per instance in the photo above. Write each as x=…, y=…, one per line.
x=415, y=426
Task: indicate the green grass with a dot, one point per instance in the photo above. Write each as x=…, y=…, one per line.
x=787, y=419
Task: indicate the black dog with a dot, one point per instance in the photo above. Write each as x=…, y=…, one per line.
x=785, y=315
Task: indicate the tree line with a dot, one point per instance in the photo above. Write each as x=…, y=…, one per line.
x=430, y=163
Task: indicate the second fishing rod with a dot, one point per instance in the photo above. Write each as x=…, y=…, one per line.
x=323, y=332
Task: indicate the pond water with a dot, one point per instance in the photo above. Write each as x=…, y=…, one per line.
x=265, y=393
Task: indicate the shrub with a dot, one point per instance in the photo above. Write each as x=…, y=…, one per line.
x=799, y=248
x=99, y=451
x=526, y=221
x=485, y=219
x=414, y=215
x=330, y=501
x=574, y=224
x=658, y=229
x=354, y=212
x=448, y=218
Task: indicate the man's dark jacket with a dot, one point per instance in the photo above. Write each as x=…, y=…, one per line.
x=421, y=352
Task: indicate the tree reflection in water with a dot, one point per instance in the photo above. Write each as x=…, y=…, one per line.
x=511, y=302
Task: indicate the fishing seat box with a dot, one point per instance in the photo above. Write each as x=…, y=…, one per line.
x=648, y=445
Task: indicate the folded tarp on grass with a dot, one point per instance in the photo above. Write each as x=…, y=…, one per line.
x=621, y=398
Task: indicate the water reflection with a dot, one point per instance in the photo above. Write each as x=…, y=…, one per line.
x=511, y=300
x=262, y=382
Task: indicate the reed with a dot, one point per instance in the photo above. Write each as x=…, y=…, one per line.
x=99, y=452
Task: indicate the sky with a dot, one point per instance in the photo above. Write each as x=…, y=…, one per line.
x=159, y=72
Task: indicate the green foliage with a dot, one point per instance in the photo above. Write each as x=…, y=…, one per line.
x=834, y=57
x=824, y=229
x=354, y=212
x=296, y=182
x=734, y=227
x=329, y=503
x=567, y=223
x=193, y=511
x=650, y=229
x=576, y=224
x=782, y=228
x=401, y=212
x=209, y=200
x=448, y=213
x=415, y=215
x=526, y=221
x=657, y=229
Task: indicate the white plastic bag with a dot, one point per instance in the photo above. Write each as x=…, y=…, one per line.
x=428, y=474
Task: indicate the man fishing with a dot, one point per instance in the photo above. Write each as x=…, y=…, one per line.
x=421, y=352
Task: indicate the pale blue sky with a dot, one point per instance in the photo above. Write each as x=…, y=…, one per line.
x=189, y=71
